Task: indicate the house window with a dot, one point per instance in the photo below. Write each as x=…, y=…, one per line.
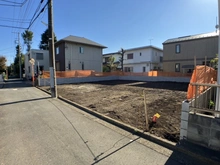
x=106, y=59
x=140, y=53
x=178, y=48
x=144, y=69
x=69, y=66
x=29, y=57
x=81, y=50
x=128, y=69
x=29, y=69
x=130, y=56
x=39, y=56
x=161, y=59
x=57, y=50
x=177, y=67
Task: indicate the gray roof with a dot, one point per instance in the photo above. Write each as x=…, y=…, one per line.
x=192, y=37
x=131, y=49
x=81, y=40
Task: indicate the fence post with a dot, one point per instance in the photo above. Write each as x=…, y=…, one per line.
x=145, y=110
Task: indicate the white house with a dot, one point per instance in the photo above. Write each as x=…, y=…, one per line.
x=40, y=57
x=140, y=59
x=78, y=53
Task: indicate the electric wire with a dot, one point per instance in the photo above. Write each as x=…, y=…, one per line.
x=42, y=10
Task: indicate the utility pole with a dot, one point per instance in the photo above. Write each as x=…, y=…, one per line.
x=217, y=107
x=53, y=83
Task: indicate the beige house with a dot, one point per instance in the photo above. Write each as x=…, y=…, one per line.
x=41, y=58
x=179, y=53
x=78, y=53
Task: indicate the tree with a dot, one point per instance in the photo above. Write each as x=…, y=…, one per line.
x=16, y=61
x=214, y=62
x=111, y=63
x=2, y=64
x=27, y=37
x=121, y=59
x=44, y=43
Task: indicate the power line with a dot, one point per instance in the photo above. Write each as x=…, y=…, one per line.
x=12, y=27
x=11, y=2
x=38, y=8
x=42, y=10
x=10, y=5
x=14, y=19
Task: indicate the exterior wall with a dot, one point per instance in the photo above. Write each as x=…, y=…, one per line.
x=145, y=57
x=60, y=57
x=69, y=55
x=188, y=49
x=44, y=62
x=139, y=67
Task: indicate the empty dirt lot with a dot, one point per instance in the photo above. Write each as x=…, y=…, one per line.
x=123, y=101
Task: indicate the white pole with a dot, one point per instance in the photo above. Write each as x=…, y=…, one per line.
x=38, y=77
x=217, y=108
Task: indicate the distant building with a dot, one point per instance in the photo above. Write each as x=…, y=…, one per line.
x=139, y=59
x=179, y=52
x=41, y=57
x=78, y=53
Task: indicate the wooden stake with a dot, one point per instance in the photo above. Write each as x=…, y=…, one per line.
x=145, y=110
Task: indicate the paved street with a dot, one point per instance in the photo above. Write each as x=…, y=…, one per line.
x=36, y=129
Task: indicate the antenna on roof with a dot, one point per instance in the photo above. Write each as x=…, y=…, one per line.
x=216, y=26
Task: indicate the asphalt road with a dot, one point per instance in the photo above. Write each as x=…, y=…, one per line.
x=36, y=129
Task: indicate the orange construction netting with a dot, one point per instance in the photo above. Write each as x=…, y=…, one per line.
x=201, y=74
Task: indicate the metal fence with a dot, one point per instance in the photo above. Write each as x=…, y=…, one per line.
x=206, y=99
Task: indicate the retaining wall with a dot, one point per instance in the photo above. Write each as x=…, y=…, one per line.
x=46, y=81
x=204, y=129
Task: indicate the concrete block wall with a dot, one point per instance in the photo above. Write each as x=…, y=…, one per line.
x=184, y=119
x=204, y=130
x=45, y=82
x=149, y=78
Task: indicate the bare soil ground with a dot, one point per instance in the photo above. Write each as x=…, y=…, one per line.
x=124, y=101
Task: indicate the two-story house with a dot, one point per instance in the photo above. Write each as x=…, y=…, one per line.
x=140, y=59
x=179, y=53
x=41, y=58
x=78, y=53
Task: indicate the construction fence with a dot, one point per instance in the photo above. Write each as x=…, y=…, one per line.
x=91, y=73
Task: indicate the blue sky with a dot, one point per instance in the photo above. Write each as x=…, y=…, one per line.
x=113, y=23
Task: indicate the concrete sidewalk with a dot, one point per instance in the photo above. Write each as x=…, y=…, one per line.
x=36, y=129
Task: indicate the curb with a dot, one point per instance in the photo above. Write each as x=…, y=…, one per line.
x=165, y=143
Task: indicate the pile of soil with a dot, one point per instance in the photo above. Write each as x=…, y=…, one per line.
x=124, y=101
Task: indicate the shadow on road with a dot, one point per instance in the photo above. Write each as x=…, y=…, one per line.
x=22, y=101
x=193, y=154
x=15, y=83
x=113, y=152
